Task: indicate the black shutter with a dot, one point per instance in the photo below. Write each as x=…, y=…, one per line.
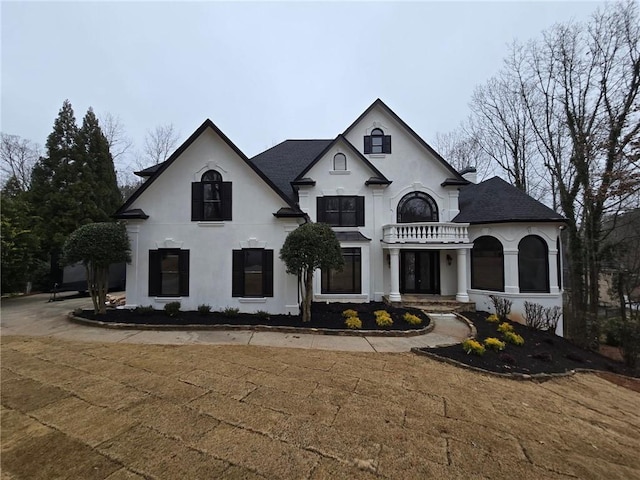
x=360, y=211
x=183, y=265
x=367, y=144
x=237, y=284
x=196, y=201
x=321, y=210
x=386, y=144
x=226, y=201
x=155, y=275
x=267, y=273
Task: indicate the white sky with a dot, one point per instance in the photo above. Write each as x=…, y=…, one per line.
x=262, y=72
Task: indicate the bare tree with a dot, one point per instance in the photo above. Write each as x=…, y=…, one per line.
x=159, y=143
x=17, y=158
x=462, y=149
x=113, y=129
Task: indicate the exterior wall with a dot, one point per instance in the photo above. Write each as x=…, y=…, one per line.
x=510, y=236
x=168, y=203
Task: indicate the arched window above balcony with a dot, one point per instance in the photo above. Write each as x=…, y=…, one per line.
x=417, y=207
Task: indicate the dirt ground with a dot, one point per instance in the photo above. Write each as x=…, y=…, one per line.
x=121, y=411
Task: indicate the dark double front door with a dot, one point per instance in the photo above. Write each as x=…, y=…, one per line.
x=420, y=271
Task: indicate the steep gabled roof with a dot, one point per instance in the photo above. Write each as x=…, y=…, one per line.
x=160, y=168
x=380, y=103
x=496, y=201
x=283, y=162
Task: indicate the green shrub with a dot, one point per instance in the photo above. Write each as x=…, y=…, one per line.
x=263, y=315
x=77, y=312
x=383, y=319
x=493, y=343
x=349, y=313
x=513, y=338
x=144, y=310
x=613, y=331
x=204, y=309
x=353, y=323
x=172, y=308
x=505, y=327
x=412, y=319
x=231, y=312
x=473, y=346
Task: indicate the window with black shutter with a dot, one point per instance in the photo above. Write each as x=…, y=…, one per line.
x=211, y=198
x=252, y=273
x=377, y=142
x=169, y=272
x=341, y=211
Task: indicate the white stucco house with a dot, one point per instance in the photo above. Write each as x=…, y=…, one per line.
x=207, y=225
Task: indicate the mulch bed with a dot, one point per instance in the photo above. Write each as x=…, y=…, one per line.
x=542, y=352
x=323, y=315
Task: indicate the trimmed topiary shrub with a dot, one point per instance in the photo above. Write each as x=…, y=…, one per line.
x=172, y=308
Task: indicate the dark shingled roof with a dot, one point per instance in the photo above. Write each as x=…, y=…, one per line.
x=495, y=201
x=351, y=237
x=147, y=172
x=135, y=213
x=283, y=163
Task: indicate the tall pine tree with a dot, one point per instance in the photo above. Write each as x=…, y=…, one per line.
x=73, y=185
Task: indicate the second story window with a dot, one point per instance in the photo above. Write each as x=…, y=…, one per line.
x=377, y=142
x=211, y=198
x=341, y=211
x=340, y=162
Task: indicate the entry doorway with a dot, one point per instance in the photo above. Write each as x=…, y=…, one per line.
x=420, y=271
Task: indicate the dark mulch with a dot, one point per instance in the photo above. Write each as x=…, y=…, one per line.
x=323, y=315
x=542, y=352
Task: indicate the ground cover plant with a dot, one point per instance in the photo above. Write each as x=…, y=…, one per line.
x=330, y=316
x=508, y=347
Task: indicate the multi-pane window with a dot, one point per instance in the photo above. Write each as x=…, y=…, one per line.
x=417, y=207
x=533, y=264
x=341, y=211
x=211, y=198
x=377, y=142
x=169, y=272
x=347, y=280
x=252, y=273
x=487, y=264
x=340, y=161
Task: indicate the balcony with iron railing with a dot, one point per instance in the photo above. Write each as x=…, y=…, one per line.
x=425, y=232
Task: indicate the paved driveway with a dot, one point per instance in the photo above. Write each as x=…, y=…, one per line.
x=35, y=316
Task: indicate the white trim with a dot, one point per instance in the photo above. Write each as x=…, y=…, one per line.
x=252, y=300
x=339, y=172
x=211, y=224
x=167, y=299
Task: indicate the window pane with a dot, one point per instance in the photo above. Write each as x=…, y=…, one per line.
x=211, y=176
x=170, y=284
x=253, y=273
x=417, y=207
x=340, y=162
x=212, y=210
x=170, y=274
x=487, y=264
x=349, y=279
x=533, y=265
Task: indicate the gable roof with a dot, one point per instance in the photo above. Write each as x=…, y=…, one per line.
x=496, y=201
x=283, y=162
x=158, y=169
x=381, y=104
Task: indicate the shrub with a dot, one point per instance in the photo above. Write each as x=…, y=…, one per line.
x=505, y=327
x=502, y=306
x=383, y=319
x=263, y=315
x=142, y=310
x=513, y=338
x=77, y=312
x=204, y=309
x=349, y=313
x=493, y=343
x=353, y=322
x=552, y=317
x=508, y=359
x=534, y=315
x=231, y=312
x=630, y=342
x=493, y=318
x=473, y=346
x=172, y=308
x=412, y=319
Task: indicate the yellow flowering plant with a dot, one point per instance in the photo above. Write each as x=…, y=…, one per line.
x=493, y=318
x=493, y=343
x=505, y=327
x=383, y=319
x=513, y=338
x=353, y=323
x=412, y=319
x=473, y=346
x=349, y=313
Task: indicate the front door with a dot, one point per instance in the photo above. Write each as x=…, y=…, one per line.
x=420, y=271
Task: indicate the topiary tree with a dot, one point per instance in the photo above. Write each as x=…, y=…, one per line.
x=310, y=246
x=97, y=245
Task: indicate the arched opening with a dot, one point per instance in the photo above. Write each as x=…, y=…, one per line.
x=340, y=162
x=417, y=207
x=211, y=194
x=533, y=264
x=487, y=264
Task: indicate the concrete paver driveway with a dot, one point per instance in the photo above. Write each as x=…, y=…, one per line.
x=95, y=410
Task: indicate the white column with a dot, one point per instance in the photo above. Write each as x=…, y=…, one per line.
x=132, y=269
x=461, y=261
x=377, y=253
x=511, y=281
x=553, y=271
x=394, y=294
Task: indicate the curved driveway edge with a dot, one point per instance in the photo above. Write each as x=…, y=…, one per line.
x=35, y=316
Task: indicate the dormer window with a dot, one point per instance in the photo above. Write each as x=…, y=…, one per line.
x=211, y=198
x=340, y=162
x=377, y=142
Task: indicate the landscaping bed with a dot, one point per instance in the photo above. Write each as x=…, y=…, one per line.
x=324, y=316
x=542, y=352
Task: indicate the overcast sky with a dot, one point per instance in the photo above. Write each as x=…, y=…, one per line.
x=262, y=72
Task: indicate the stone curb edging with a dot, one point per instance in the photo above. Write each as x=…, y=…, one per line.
x=472, y=327
x=256, y=328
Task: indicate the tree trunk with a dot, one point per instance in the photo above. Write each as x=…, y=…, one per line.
x=308, y=296
x=91, y=286
x=102, y=287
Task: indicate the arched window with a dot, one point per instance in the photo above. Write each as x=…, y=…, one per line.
x=211, y=198
x=340, y=161
x=487, y=264
x=377, y=142
x=211, y=176
x=417, y=207
x=533, y=264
